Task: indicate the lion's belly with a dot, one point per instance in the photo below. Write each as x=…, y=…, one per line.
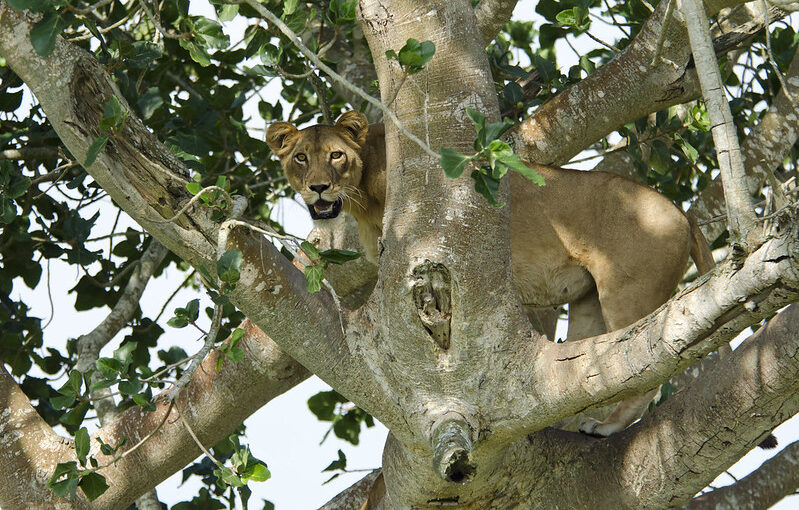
x=543, y=283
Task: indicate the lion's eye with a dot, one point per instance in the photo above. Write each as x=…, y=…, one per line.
x=336, y=155
x=301, y=157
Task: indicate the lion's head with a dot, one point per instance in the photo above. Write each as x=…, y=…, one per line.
x=322, y=163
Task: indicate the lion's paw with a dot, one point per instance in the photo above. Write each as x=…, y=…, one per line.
x=596, y=428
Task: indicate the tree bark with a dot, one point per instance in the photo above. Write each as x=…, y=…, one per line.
x=776, y=478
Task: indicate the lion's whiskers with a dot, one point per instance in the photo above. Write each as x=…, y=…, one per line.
x=347, y=195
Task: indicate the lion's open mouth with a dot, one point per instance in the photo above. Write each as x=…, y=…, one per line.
x=323, y=210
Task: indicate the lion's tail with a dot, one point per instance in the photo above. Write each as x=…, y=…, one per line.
x=700, y=249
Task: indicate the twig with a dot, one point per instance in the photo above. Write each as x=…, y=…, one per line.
x=196, y=440
x=198, y=358
x=137, y=445
x=192, y=201
x=263, y=11
x=662, y=36
x=770, y=58
x=321, y=95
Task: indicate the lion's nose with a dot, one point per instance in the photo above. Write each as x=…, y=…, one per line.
x=319, y=188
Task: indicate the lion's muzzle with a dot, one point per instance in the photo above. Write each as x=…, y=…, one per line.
x=324, y=210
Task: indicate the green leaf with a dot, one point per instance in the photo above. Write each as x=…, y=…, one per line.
x=415, y=55
x=228, y=266
x=73, y=385
x=8, y=211
x=114, y=114
x=477, y=118
x=196, y=52
x=227, y=12
x=62, y=401
x=323, y=404
x=145, y=53
x=690, y=152
x=194, y=187
x=495, y=129
x=258, y=473
x=130, y=387
x=94, y=149
x=314, y=274
x=93, y=485
x=82, y=445
x=193, y=309
x=234, y=354
x=32, y=5
x=289, y=6
x=149, y=102
x=227, y=476
x=44, y=33
x=10, y=101
x=340, y=463
x=567, y=17
x=453, y=162
x=19, y=186
x=237, y=335
x=341, y=11
x=63, y=468
x=69, y=485
x=178, y=322
x=100, y=385
x=660, y=157
x=348, y=428
x=336, y=256
x=76, y=415
x=516, y=164
x=487, y=186
x=310, y=250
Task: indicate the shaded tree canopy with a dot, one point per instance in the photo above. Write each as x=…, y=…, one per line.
x=157, y=113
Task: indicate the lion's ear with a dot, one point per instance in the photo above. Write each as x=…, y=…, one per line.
x=280, y=137
x=356, y=124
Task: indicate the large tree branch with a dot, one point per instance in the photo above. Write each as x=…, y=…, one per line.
x=625, y=89
x=214, y=403
x=704, y=429
x=776, y=478
x=660, y=462
x=559, y=380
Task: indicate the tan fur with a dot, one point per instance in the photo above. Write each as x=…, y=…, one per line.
x=614, y=249
x=352, y=177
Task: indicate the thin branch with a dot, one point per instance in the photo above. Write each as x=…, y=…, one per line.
x=662, y=36
x=30, y=153
x=197, y=440
x=771, y=58
x=198, y=358
x=740, y=207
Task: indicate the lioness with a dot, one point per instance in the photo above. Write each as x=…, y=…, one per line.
x=590, y=239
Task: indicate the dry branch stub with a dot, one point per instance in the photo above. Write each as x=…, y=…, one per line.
x=452, y=449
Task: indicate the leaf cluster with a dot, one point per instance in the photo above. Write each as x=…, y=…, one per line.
x=493, y=156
